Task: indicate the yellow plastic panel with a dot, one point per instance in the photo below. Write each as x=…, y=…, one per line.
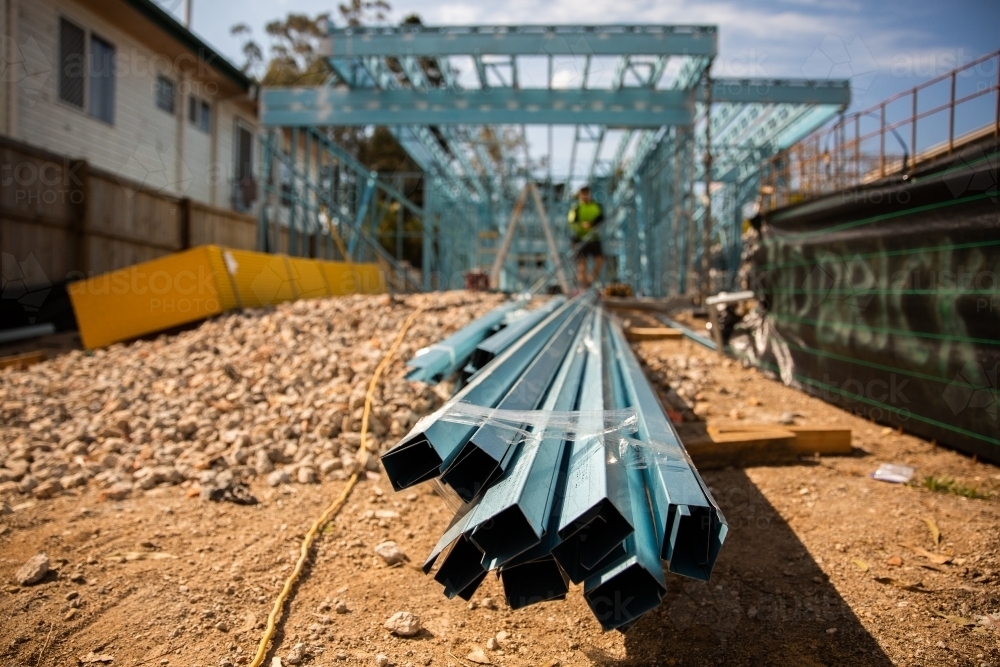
x=149, y=297
x=347, y=278
x=308, y=278
x=370, y=279
x=260, y=279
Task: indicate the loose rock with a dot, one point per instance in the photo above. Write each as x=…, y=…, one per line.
x=478, y=656
x=262, y=462
x=403, y=624
x=118, y=491
x=390, y=552
x=34, y=570
x=278, y=477
x=787, y=418
x=296, y=655
x=47, y=489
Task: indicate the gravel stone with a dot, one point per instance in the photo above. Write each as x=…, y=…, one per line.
x=296, y=655
x=34, y=570
x=28, y=483
x=47, y=489
x=118, y=491
x=262, y=462
x=390, y=552
x=237, y=395
x=403, y=624
x=279, y=477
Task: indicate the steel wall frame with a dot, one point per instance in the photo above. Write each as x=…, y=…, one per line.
x=655, y=186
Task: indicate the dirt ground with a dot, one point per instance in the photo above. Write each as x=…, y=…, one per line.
x=822, y=566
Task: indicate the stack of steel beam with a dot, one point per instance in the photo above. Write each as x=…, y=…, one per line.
x=569, y=470
x=433, y=364
x=490, y=348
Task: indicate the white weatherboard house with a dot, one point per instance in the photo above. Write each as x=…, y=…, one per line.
x=124, y=86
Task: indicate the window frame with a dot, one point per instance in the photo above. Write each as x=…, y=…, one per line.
x=199, y=113
x=87, y=75
x=111, y=78
x=157, y=90
x=205, y=116
x=240, y=126
x=61, y=57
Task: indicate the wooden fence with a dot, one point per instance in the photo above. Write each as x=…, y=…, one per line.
x=77, y=221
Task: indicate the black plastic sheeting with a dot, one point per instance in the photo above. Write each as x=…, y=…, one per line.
x=22, y=305
x=885, y=300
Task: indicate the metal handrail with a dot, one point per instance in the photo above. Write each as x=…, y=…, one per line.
x=833, y=158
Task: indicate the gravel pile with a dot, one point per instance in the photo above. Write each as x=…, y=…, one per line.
x=273, y=393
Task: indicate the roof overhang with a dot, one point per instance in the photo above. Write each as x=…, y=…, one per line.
x=156, y=28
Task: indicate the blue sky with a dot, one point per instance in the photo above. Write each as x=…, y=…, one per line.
x=883, y=47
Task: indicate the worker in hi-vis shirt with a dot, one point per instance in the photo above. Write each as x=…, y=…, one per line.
x=584, y=217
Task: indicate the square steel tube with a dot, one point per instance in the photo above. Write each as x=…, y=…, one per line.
x=690, y=527
x=596, y=513
x=432, y=444
x=487, y=453
x=513, y=514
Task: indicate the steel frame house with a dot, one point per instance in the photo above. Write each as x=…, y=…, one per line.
x=671, y=152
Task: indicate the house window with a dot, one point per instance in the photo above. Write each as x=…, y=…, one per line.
x=165, y=94
x=102, y=80
x=245, y=188
x=71, y=63
x=86, y=79
x=199, y=113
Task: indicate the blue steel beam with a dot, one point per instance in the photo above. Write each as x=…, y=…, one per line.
x=617, y=81
x=780, y=91
x=418, y=79
x=628, y=107
x=691, y=72
x=690, y=527
x=434, y=363
x=430, y=448
x=418, y=140
x=596, y=515
x=492, y=347
x=488, y=452
x=386, y=79
x=638, y=574
x=651, y=78
x=561, y=40
x=514, y=511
